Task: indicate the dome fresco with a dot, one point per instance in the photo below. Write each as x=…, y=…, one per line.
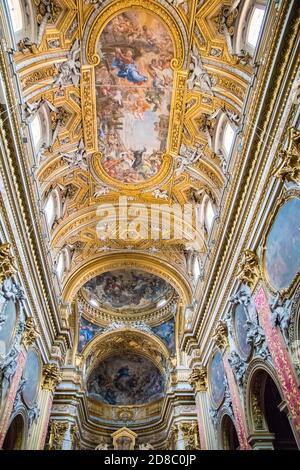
x=126, y=290
x=126, y=379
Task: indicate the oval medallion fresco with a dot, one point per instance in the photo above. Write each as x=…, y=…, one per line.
x=282, y=256
x=216, y=380
x=133, y=95
x=32, y=376
x=240, y=328
x=7, y=327
x=126, y=380
x=126, y=290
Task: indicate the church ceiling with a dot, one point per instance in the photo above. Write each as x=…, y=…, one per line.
x=131, y=92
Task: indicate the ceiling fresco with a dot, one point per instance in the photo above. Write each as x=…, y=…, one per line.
x=126, y=380
x=127, y=290
x=134, y=88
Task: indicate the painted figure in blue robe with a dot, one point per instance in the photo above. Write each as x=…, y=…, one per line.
x=127, y=67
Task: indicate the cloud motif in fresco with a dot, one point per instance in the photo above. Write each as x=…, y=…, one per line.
x=134, y=83
x=126, y=380
x=87, y=332
x=166, y=332
x=127, y=289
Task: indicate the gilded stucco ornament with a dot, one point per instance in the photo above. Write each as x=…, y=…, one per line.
x=250, y=272
x=51, y=377
x=7, y=267
x=198, y=379
x=190, y=435
x=289, y=166
x=220, y=336
x=30, y=333
x=57, y=434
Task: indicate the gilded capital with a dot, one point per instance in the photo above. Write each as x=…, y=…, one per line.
x=198, y=379
x=289, y=166
x=30, y=333
x=51, y=377
x=7, y=268
x=57, y=434
x=249, y=273
x=221, y=336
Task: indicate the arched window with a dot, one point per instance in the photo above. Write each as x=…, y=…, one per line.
x=255, y=25
x=209, y=215
x=60, y=267
x=196, y=268
x=228, y=138
x=50, y=209
x=63, y=262
x=16, y=15
x=36, y=131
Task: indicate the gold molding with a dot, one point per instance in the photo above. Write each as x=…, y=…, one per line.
x=198, y=379
x=119, y=6
x=113, y=261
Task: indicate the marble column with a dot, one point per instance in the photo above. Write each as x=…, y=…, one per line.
x=221, y=340
x=198, y=380
x=51, y=378
x=284, y=369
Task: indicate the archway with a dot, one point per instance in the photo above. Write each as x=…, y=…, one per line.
x=14, y=438
x=230, y=440
x=269, y=420
x=276, y=419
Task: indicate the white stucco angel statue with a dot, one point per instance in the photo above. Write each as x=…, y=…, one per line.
x=199, y=77
x=69, y=70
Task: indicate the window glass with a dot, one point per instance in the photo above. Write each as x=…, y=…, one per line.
x=228, y=138
x=60, y=266
x=255, y=26
x=209, y=215
x=16, y=14
x=50, y=210
x=36, y=130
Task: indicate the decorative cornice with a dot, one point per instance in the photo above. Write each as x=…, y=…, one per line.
x=198, y=379
x=51, y=377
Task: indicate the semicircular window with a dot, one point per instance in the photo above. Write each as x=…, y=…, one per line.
x=127, y=290
x=133, y=95
x=282, y=257
x=126, y=379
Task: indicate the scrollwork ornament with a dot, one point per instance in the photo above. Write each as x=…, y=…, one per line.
x=249, y=273
x=7, y=262
x=221, y=336
x=30, y=332
x=51, y=377
x=198, y=379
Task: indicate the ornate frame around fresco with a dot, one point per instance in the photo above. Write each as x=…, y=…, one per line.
x=178, y=96
x=289, y=291
x=215, y=405
x=126, y=260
